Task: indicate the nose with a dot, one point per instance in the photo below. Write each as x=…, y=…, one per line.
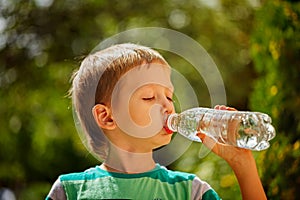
x=167, y=105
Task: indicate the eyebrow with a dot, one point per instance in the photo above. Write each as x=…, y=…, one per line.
x=169, y=88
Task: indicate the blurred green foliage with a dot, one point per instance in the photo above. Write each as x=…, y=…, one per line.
x=43, y=41
x=276, y=54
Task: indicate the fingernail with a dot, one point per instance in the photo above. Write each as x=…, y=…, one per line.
x=201, y=136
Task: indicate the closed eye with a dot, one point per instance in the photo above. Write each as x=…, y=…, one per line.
x=170, y=99
x=148, y=98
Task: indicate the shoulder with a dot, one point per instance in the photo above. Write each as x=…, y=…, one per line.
x=202, y=190
x=177, y=173
x=199, y=189
x=57, y=192
x=67, y=183
x=88, y=174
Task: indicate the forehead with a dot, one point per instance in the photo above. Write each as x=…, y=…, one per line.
x=151, y=86
x=146, y=74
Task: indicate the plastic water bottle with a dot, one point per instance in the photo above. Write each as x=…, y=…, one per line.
x=244, y=129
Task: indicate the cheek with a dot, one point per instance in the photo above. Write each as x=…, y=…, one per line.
x=140, y=113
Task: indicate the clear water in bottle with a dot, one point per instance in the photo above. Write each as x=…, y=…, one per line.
x=250, y=130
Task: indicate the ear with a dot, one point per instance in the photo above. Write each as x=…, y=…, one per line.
x=103, y=117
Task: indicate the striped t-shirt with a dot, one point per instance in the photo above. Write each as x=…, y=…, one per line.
x=157, y=184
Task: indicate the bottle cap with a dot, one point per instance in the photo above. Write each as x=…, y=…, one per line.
x=169, y=120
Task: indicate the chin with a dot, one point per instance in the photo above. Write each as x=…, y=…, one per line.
x=167, y=139
x=161, y=138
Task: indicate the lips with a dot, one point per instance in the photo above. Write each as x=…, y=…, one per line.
x=168, y=130
x=165, y=124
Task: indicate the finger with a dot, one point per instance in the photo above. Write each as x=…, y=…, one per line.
x=231, y=108
x=217, y=107
x=208, y=142
x=223, y=107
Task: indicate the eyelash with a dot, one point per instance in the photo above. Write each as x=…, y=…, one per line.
x=170, y=99
x=151, y=98
x=148, y=98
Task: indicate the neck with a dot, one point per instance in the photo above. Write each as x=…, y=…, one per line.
x=123, y=161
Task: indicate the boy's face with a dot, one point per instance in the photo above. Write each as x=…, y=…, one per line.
x=141, y=100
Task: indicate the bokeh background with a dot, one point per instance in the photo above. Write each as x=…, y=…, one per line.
x=255, y=44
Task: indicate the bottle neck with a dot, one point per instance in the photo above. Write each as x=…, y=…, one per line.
x=172, y=122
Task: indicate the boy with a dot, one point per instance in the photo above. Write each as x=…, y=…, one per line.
x=122, y=96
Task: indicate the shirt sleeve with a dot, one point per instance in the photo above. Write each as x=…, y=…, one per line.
x=57, y=192
x=202, y=190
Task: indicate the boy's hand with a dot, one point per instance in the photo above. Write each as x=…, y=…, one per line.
x=241, y=161
x=229, y=153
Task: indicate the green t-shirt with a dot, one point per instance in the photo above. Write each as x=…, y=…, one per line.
x=157, y=184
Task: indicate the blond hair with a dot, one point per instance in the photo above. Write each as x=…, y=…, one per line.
x=94, y=82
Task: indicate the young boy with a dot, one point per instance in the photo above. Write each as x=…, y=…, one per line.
x=121, y=97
